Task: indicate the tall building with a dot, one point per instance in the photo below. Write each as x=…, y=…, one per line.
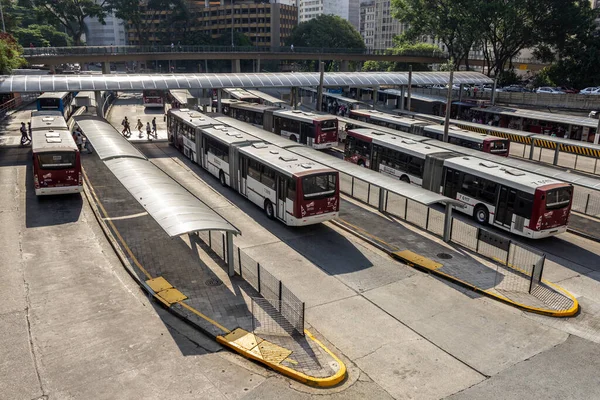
x=266, y=24
x=112, y=32
x=346, y=9
x=378, y=27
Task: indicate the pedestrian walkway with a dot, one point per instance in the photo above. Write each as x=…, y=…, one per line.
x=455, y=264
x=192, y=281
x=588, y=227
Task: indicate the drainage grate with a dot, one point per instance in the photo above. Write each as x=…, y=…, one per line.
x=444, y=256
x=213, y=282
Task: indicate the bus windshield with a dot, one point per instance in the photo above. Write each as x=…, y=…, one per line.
x=498, y=145
x=328, y=124
x=558, y=198
x=49, y=103
x=57, y=160
x=318, y=186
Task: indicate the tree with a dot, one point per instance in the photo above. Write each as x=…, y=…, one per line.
x=10, y=54
x=449, y=20
x=401, y=46
x=326, y=31
x=71, y=14
x=42, y=36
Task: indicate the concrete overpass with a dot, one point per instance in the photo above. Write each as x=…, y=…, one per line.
x=106, y=54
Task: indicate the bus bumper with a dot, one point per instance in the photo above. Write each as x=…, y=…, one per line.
x=58, y=190
x=547, y=232
x=311, y=220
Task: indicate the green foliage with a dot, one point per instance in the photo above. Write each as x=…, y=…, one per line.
x=71, y=14
x=402, y=46
x=10, y=54
x=326, y=31
x=42, y=36
x=542, y=78
x=508, y=77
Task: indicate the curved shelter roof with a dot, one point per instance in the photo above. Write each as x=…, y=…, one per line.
x=175, y=209
x=107, y=142
x=72, y=83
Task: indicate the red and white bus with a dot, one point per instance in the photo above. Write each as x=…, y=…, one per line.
x=56, y=163
x=241, y=94
x=181, y=127
x=288, y=187
x=153, y=98
x=314, y=130
x=516, y=201
x=461, y=137
x=48, y=121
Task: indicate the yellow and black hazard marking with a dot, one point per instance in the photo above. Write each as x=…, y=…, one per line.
x=585, y=151
x=547, y=144
x=473, y=128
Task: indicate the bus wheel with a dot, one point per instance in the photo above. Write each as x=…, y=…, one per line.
x=404, y=178
x=269, y=209
x=361, y=163
x=222, y=178
x=293, y=138
x=481, y=214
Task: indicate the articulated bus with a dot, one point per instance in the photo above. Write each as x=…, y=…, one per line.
x=153, y=98
x=288, y=187
x=56, y=101
x=56, y=162
x=181, y=125
x=513, y=200
x=313, y=130
x=458, y=136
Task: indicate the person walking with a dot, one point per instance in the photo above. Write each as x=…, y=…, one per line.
x=292, y=47
x=24, y=138
x=79, y=139
x=140, y=126
x=148, y=131
x=126, y=128
x=154, y=131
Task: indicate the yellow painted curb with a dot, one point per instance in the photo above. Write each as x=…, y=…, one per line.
x=415, y=260
x=330, y=381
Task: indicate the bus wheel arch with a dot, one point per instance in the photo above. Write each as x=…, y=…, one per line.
x=222, y=178
x=481, y=214
x=405, y=178
x=293, y=138
x=269, y=209
x=361, y=163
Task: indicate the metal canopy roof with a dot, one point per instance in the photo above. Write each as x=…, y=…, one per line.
x=175, y=209
x=429, y=98
x=542, y=116
x=61, y=83
x=107, y=142
x=393, y=185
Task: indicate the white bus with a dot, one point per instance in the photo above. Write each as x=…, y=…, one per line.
x=519, y=202
x=48, y=121
x=181, y=126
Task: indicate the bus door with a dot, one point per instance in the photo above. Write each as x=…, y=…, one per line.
x=204, y=161
x=243, y=174
x=306, y=134
x=505, y=206
x=281, y=196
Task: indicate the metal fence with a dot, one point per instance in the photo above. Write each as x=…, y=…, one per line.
x=522, y=261
x=279, y=310
x=18, y=101
x=587, y=203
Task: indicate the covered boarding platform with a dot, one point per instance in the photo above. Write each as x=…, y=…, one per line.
x=175, y=209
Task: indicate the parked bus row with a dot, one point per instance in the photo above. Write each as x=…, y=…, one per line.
x=314, y=130
x=288, y=187
x=461, y=137
x=56, y=158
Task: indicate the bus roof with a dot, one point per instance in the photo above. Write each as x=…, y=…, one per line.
x=48, y=141
x=53, y=95
x=48, y=122
x=239, y=93
x=399, y=143
x=458, y=132
x=539, y=115
x=193, y=118
x=385, y=129
x=284, y=161
x=303, y=115
x=243, y=105
x=395, y=119
x=266, y=97
x=518, y=179
x=228, y=135
x=258, y=133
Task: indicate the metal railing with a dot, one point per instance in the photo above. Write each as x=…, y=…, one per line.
x=521, y=260
x=279, y=311
x=106, y=50
x=17, y=102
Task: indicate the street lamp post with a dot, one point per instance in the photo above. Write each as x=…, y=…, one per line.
x=2, y=16
x=232, y=45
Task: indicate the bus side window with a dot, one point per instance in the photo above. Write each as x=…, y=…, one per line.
x=268, y=177
x=487, y=191
x=469, y=185
x=524, y=204
x=254, y=169
x=291, y=189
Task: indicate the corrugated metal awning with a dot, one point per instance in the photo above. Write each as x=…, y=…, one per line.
x=75, y=83
x=539, y=115
x=107, y=142
x=175, y=209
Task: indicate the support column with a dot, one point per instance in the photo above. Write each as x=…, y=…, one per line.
x=448, y=107
x=204, y=105
x=344, y=66
x=219, y=93
x=556, y=154
x=320, y=88
x=402, y=99
x=448, y=223
x=235, y=66
x=258, y=64
x=99, y=104
x=531, y=149
x=106, y=67
x=230, y=262
x=294, y=98
x=52, y=69
x=493, y=100
x=375, y=95
x=409, y=87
